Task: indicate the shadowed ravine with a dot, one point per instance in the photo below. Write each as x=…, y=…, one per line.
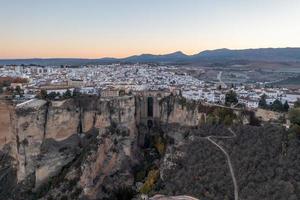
x=97, y=148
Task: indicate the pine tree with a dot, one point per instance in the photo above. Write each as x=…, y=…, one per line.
x=286, y=106
x=230, y=98
x=262, y=102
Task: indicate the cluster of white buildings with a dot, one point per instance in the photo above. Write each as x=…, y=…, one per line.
x=249, y=96
x=93, y=79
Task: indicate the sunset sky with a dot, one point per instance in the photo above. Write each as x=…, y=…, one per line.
x=119, y=28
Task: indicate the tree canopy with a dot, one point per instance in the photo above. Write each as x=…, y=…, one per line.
x=231, y=98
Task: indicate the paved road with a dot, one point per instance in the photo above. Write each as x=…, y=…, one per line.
x=219, y=77
x=209, y=138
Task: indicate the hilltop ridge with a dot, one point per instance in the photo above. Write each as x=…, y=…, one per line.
x=262, y=54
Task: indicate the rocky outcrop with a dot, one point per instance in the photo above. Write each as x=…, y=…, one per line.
x=178, y=110
x=6, y=127
x=62, y=120
x=29, y=132
x=43, y=137
x=91, y=146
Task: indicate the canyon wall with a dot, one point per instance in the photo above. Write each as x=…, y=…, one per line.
x=43, y=138
x=178, y=110
x=6, y=127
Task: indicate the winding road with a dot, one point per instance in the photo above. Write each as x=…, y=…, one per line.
x=219, y=77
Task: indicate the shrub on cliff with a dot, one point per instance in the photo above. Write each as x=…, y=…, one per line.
x=294, y=116
x=160, y=144
x=67, y=94
x=151, y=179
x=211, y=119
x=224, y=116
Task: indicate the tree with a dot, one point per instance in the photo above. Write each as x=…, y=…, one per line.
x=286, y=106
x=6, y=83
x=277, y=106
x=294, y=117
x=18, y=90
x=224, y=116
x=67, y=94
x=262, y=102
x=52, y=95
x=230, y=98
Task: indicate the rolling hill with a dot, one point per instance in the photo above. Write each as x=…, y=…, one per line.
x=263, y=54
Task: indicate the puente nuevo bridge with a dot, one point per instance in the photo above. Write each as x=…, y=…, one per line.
x=148, y=107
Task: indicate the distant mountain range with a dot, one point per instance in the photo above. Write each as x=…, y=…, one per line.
x=219, y=55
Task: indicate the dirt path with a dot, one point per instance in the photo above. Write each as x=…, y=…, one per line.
x=209, y=138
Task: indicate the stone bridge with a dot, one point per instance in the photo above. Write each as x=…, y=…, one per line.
x=148, y=106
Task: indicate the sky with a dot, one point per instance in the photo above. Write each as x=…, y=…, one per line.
x=120, y=28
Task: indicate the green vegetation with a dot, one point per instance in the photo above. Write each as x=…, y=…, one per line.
x=262, y=102
x=231, y=98
x=53, y=95
x=151, y=179
x=221, y=116
x=211, y=119
x=286, y=106
x=56, y=95
x=276, y=105
x=188, y=104
x=264, y=167
x=224, y=116
x=67, y=94
x=160, y=145
x=294, y=117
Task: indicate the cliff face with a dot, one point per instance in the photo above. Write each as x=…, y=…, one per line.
x=42, y=137
x=6, y=127
x=178, y=110
x=90, y=143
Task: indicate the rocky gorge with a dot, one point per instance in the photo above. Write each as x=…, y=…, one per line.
x=125, y=147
